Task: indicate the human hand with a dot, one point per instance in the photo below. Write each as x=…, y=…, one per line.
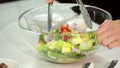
x=108, y=33
x=48, y=1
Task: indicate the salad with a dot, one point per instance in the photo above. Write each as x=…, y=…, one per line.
x=65, y=45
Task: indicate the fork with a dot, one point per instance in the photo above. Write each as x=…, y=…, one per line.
x=49, y=16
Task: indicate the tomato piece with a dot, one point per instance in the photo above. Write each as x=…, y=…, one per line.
x=64, y=28
x=80, y=32
x=66, y=38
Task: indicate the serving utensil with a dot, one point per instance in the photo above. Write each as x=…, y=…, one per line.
x=113, y=63
x=85, y=14
x=49, y=16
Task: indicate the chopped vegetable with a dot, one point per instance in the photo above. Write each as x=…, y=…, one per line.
x=64, y=29
x=66, y=44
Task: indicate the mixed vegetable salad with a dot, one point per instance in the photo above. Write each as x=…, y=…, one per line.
x=65, y=45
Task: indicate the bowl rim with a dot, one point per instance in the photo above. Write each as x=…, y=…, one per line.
x=9, y=61
x=29, y=10
x=110, y=16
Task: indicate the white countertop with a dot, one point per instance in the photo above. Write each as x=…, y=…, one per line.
x=12, y=38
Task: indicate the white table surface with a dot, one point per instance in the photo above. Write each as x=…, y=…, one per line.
x=12, y=38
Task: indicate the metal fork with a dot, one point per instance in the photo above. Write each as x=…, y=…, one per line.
x=49, y=16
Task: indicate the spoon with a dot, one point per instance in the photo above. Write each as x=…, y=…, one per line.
x=85, y=14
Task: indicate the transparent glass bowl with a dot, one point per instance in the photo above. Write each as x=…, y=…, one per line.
x=68, y=47
x=35, y=19
x=53, y=46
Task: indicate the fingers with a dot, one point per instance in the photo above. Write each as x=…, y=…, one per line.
x=48, y=1
x=115, y=36
x=108, y=33
x=114, y=44
x=106, y=41
x=111, y=39
x=104, y=27
x=105, y=23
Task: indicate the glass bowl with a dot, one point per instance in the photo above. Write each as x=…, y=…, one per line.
x=67, y=47
x=59, y=45
x=8, y=63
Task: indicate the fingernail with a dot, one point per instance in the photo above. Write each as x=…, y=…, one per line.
x=103, y=23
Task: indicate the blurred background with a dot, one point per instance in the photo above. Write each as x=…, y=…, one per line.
x=4, y=1
x=104, y=4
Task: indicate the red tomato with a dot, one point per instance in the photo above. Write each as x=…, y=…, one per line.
x=64, y=28
x=66, y=38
